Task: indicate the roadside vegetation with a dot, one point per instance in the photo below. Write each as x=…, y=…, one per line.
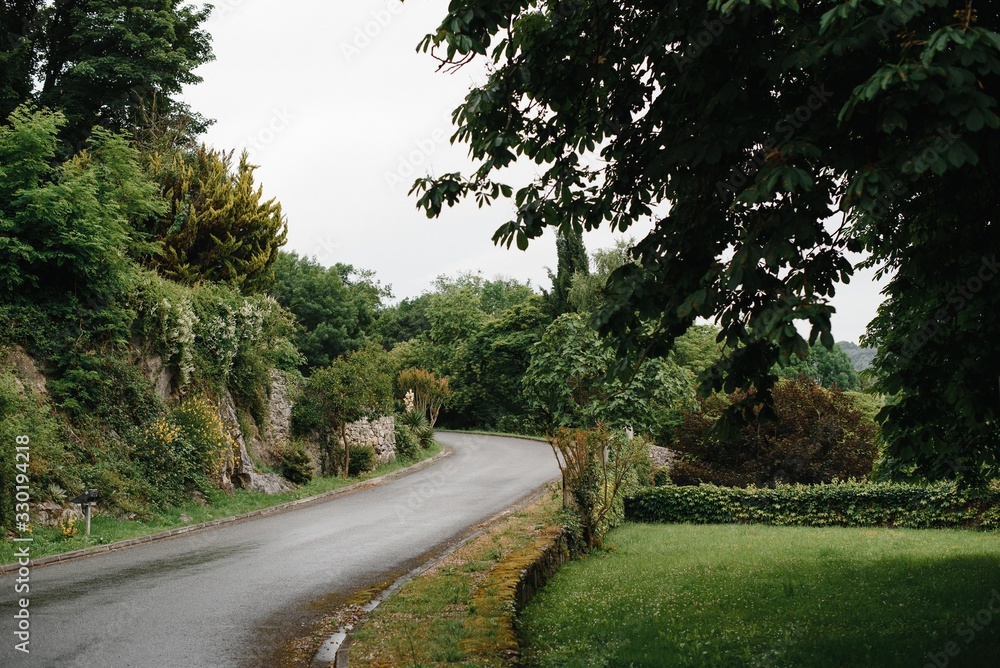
x=461, y=611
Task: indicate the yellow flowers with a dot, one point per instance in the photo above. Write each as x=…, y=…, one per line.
x=68, y=528
x=190, y=441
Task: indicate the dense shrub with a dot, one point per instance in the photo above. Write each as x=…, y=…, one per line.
x=849, y=504
x=307, y=415
x=127, y=485
x=104, y=387
x=187, y=450
x=661, y=477
x=213, y=336
x=200, y=424
x=362, y=460
x=407, y=444
x=820, y=436
x=23, y=414
x=296, y=466
x=425, y=436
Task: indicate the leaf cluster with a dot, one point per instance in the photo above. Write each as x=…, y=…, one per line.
x=847, y=504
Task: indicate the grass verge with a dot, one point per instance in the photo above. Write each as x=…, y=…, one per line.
x=461, y=610
x=685, y=595
x=107, y=529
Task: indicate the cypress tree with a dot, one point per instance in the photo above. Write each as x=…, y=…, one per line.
x=572, y=259
x=219, y=227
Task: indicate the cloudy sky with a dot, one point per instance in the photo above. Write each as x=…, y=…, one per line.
x=341, y=113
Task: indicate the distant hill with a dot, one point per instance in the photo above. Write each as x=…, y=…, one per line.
x=861, y=358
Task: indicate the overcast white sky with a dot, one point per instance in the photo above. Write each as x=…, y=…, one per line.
x=342, y=114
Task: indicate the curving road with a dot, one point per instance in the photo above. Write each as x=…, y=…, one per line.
x=233, y=596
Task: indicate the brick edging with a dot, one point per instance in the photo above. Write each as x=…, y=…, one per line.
x=204, y=526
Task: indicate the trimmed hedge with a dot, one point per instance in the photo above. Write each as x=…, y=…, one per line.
x=847, y=504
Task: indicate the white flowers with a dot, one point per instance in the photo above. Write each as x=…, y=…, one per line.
x=212, y=342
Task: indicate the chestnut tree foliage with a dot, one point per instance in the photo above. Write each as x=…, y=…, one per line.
x=766, y=139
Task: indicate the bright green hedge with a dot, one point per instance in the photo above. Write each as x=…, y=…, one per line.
x=848, y=504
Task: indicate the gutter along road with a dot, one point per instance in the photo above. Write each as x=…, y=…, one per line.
x=233, y=596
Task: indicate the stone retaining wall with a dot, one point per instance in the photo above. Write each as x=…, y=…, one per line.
x=379, y=434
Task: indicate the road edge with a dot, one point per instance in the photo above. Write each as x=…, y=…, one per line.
x=206, y=526
x=333, y=651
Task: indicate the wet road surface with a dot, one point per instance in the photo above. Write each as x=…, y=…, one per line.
x=230, y=597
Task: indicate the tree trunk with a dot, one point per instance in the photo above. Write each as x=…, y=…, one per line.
x=347, y=452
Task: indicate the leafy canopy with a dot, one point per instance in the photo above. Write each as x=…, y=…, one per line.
x=67, y=227
x=824, y=367
x=567, y=383
x=331, y=315
x=766, y=139
x=111, y=63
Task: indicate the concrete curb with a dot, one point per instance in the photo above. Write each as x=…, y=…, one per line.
x=205, y=526
x=539, y=439
x=334, y=651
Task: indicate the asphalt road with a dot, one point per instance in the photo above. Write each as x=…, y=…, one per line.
x=233, y=596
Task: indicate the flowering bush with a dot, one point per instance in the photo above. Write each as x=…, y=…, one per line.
x=186, y=450
x=212, y=334
x=199, y=423
x=68, y=527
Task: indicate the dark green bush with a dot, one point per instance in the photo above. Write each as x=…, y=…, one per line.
x=363, y=459
x=849, y=504
x=307, y=416
x=407, y=444
x=661, y=477
x=297, y=467
x=105, y=388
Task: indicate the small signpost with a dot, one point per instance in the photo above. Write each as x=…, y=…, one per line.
x=86, y=500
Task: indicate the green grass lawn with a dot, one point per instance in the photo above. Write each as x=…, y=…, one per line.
x=106, y=529
x=684, y=595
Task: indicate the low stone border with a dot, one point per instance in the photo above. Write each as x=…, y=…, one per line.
x=205, y=526
x=546, y=561
x=540, y=439
x=552, y=556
